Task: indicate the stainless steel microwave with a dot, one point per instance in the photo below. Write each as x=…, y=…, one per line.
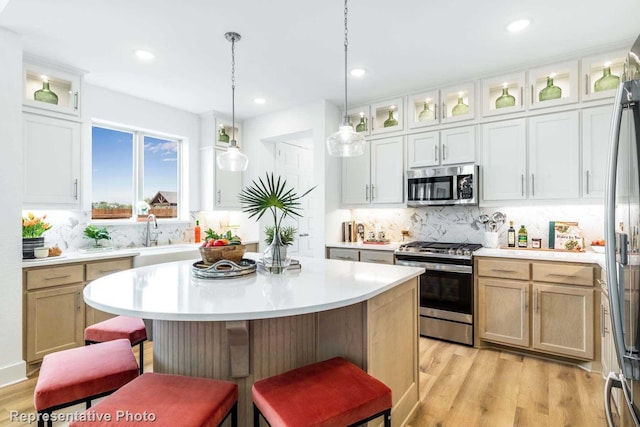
x=453, y=185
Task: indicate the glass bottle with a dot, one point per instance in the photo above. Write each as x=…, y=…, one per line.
x=362, y=126
x=522, y=237
x=45, y=94
x=460, y=108
x=505, y=100
x=426, y=114
x=608, y=81
x=511, y=236
x=551, y=91
x=390, y=121
x=222, y=135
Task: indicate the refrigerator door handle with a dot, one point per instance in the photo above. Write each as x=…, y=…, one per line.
x=612, y=381
x=628, y=399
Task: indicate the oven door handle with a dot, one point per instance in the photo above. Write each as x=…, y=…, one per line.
x=449, y=268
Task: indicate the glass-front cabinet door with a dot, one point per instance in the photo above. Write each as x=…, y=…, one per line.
x=359, y=119
x=503, y=94
x=52, y=89
x=602, y=75
x=387, y=116
x=553, y=85
x=458, y=102
x=424, y=109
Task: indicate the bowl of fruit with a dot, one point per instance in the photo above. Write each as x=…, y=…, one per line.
x=598, y=246
x=221, y=246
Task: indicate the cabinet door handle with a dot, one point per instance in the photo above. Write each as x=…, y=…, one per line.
x=304, y=235
x=444, y=151
x=586, y=84
x=601, y=282
x=535, y=302
x=373, y=192
x=78, y=301
x=524, y=300
x=435, y=153
x=109, y=271
x=587, y=182
x=499, y=270
x=75, y=188
x=532, y=98
x=348, y=258
x=64, y=276
x=219, y=196
x=533, y=184
x=444, y=110
x=373, y=123
x=602, y=320
x=75, y=100
x=435, y=110
x=366, y=192
x=522, y=184
x=521, y=96
x=382, y=261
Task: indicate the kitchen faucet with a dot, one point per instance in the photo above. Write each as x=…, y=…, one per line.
x=147, y=240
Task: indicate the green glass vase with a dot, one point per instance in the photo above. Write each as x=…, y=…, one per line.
x=362, y=126
x=460, y=109
x=551, y=91
x=222, y=135
x=505, y=100
x=426, y=114
x=45, y=94
x=608, y=81
x=390, y=121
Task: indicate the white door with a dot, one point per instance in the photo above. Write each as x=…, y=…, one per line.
x=595, y=146
x=387, y=170
x=504, y=157
x=295, y=164
x=554, y=156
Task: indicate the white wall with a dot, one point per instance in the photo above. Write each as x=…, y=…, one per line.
x=119, y=108
x=310, y=120
x=12, y=367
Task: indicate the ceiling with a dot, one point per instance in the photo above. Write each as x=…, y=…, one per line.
x=291, y=51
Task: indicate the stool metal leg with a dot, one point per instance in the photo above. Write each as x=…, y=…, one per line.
x=256, y=416
x=387, y=418
x=234, y=415
x=141, y=357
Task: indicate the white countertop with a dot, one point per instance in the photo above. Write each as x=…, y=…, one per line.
x=587, y=256
x=169, y=292
x=391, y=246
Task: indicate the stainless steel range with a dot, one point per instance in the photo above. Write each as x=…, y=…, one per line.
x=446, y=288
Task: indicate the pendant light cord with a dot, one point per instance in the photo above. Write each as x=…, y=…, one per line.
x=233, y=91
x=345, y=120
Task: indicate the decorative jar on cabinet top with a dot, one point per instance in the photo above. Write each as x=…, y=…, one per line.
x=390, y=121
x=551, y=91
x=222, y=135
x=362, y=126
x=45, y=94
x=608, y=81
x=460, y=108
x=426, y=114
x=505, y=100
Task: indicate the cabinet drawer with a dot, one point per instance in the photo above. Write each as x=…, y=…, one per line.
x=568, y=274
x=379, y=257
x=345, y=254
x=98, y=269
x=46, y=277
x=503, y=268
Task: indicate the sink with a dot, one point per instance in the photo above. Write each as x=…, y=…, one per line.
x=159, y=254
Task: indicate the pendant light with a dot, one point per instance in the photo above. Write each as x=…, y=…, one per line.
x=233, y=159
x=346, y=142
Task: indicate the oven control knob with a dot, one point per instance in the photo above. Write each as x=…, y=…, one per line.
x=459, y=252
x=452, y=251
x=467, y=252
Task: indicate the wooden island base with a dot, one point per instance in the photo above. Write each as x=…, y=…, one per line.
x=379, y=335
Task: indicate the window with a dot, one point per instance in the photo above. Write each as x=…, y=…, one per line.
x=134, y=174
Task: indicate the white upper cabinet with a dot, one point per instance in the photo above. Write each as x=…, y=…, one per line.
x=458, y=102
x=554, y=156
x=424, y=109
x=387, y=116
x=503, y=94
x=504, y=160
x=447, y=147
x=602, y=73
x=356, y=178
x=423, y=149
x=554, y=85
x=595, y=149
x=50, y=90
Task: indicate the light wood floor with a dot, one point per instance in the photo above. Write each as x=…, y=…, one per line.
x=459, y=387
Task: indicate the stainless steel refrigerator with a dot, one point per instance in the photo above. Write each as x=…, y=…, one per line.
x=622, y=222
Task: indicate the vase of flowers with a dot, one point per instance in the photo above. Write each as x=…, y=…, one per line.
x=32, y=229
x=272, y=195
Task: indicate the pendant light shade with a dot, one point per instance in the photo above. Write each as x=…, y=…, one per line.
x=233, y=160
x=346, y=142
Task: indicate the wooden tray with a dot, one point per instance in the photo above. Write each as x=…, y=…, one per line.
x=540, y=249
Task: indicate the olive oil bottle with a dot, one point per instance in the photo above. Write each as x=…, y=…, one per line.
x=522, y=237
x=511, y=236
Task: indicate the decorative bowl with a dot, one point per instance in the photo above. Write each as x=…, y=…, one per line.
x=214, y=254
x=41, y=252
x=598, y=249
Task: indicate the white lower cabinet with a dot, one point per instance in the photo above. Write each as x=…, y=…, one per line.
x=51, y=162
x=374, y=256
x=377, y=177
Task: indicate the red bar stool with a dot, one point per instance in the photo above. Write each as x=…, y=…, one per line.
x=81, y=374
x=166, y=400
x=118, y=327
x=330, y=393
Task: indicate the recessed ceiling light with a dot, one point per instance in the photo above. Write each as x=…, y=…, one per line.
x=144, y=55
x=259, y=100
x=358, y=72
x=518, y=25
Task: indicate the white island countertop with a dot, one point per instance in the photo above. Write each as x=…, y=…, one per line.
x=169, y=292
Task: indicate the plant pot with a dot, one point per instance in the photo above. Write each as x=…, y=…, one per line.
x=29, y=244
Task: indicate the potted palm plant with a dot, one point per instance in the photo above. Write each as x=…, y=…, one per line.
x=272, y=195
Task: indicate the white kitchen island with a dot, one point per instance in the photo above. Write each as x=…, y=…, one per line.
x=250, y=328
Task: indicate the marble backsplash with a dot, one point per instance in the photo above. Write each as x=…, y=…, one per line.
x=459, y=223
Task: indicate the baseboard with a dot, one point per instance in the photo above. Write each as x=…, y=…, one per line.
x=12, y=374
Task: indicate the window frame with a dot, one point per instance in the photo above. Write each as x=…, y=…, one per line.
x=139, y=135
